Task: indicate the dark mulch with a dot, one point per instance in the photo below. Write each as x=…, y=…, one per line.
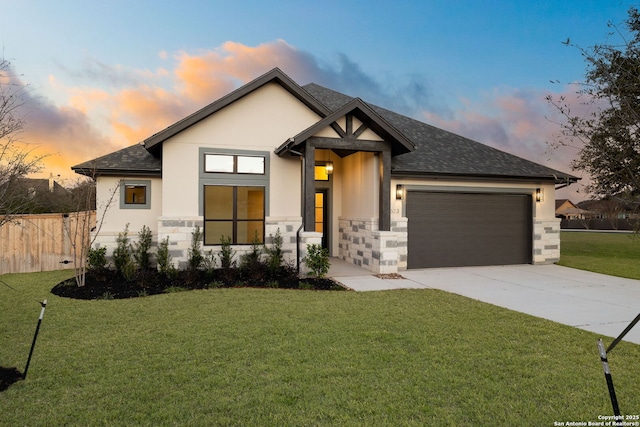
x=108, y=284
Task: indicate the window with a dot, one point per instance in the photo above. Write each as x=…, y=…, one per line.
x=233, y=211
x=232, y=163
x=135, y=194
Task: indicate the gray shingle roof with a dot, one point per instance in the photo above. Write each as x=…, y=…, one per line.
x=134, y=161
x=439, y=152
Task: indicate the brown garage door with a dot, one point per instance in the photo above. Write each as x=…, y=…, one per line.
x=464, y=229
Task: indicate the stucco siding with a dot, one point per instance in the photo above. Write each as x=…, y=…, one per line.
x=249, y=124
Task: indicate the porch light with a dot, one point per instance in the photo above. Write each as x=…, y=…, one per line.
x=539, y=195
x=399, y=192
x=329, y=167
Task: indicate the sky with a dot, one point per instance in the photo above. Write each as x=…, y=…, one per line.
x=100, y=76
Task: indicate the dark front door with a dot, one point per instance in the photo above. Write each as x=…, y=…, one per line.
x=322, y=215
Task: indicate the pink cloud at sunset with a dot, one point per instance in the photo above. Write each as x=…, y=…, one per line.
x=519, y=122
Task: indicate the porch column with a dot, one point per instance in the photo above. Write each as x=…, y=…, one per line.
x=309, y=188
x=384, y=208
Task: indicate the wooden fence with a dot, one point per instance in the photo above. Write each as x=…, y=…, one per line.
x=41, y=242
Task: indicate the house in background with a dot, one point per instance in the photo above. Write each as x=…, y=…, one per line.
x=376, y=188
x=565, y=209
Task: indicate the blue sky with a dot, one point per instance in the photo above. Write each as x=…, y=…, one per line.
x=105, y=75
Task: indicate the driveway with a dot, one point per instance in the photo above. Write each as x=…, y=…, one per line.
x=594, y=302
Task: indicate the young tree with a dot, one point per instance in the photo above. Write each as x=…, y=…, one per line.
x=17, y=158
x=608, y=136
x=82, y=227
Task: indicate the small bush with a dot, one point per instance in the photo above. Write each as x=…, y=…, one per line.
x=275, y=255
x=141, y=248
x=226, y=253
x=165, y=266
x=97, y=258
x=195, y=257
x=122, y=259
x=251, y=260
x=317, y=260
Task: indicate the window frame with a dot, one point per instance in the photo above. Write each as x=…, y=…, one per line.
x=235, y=218
x=236, y=179
x=124, y=183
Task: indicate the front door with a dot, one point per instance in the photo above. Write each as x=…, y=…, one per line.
x=322, y=215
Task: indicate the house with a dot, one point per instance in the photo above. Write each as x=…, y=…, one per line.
x=566, y=209
x=376, y=188
x=34, y=196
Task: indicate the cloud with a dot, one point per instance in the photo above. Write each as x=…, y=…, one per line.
x=113, y=106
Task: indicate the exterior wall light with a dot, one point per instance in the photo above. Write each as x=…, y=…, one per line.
x=329, y=167
x=399, y=192
x=539, y=195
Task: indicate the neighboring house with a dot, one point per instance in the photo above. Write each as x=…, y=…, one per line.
x=378, y=189
x=565, y=209
x=35, y=196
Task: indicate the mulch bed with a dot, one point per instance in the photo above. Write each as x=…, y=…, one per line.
x=108, y=284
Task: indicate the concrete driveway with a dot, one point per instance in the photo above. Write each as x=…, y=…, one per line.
x=594, y=302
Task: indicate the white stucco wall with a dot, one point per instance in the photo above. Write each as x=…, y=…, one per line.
x=253, y=123
x=112, y=219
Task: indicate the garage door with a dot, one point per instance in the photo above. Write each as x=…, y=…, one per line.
x=464, y=229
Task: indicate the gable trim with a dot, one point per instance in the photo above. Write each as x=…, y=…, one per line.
x=370, y=119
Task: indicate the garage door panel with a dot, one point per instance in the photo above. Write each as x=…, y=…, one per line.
x=459, y=229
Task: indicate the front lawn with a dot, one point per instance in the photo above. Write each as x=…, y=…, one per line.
x=274, y=357
x=616, y=254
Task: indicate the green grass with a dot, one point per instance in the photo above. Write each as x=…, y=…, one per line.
x=272, y=357
x=615, y=254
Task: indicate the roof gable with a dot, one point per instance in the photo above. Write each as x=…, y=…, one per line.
x=442, y=153
x=400, y=143
x=154, y=142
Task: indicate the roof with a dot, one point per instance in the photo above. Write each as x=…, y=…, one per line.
x=361, y=110
x=419, y=149
x=134, y=161
x=442, y=153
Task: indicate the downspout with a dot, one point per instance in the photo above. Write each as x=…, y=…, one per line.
x=303, y=207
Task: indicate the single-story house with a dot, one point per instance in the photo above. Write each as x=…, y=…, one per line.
x=566, y=209
x=376, y=188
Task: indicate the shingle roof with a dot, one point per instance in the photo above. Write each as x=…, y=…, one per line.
x=439, y=152
x=134, y=160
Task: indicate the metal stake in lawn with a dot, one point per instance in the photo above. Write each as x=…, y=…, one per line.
x=605, y=363
x=607, y=376
x=35, y=337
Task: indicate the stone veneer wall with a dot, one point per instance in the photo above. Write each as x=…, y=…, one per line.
x=546, y=241
x=363, y=244
x=179, y=230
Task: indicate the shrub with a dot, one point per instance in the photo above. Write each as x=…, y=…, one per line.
x=141, y=248
x=317, y=260
x=251, y=259
x=97, y=258
x=226, y=253
x=122, y=255
x=275, y=255
x=165, y=266
x=195, y=257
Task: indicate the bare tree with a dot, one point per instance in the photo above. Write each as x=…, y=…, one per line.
x=17, y=158
x=82, y=228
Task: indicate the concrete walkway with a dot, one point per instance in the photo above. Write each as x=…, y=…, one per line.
x=594, y=302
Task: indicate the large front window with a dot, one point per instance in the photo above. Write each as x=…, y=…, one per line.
x=234, y=212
